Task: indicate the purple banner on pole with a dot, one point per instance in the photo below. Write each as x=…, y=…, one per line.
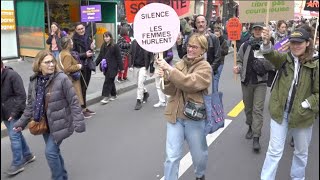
x=91, y=13
x=279, y=46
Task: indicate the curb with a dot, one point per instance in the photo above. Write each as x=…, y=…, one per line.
x=95, y=98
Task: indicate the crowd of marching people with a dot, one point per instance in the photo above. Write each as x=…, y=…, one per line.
x=57, y=90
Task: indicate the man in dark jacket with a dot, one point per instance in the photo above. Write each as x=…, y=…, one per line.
x=223, y=51
x=140, y=63
x=84, y=44
x=13, y=102
x=213, y=54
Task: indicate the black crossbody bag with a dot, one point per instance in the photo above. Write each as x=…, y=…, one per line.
x=193, y=110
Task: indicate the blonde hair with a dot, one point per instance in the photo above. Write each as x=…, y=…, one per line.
x=201, y=39
x=39, y=58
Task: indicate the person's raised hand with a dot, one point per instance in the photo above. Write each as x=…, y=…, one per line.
x=266, y=35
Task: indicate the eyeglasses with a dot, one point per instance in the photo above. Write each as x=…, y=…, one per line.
x=49, y=62
x=193, y=47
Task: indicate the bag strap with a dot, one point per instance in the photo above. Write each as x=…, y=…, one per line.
x=69, y=73
x=184, y=101
x=47, y=99
x=60, y=61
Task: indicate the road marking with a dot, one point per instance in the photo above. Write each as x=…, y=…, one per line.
x=236, y=110
x=186, y=161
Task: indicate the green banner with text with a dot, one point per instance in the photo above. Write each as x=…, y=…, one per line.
x=256, y=11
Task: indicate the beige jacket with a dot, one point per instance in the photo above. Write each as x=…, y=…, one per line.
x=71, y=65
x=191, y=77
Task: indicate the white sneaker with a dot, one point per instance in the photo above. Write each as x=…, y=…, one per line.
x=113, y=98
x=160, y=104
x=105, y=100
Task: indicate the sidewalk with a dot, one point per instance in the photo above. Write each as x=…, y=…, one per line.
x=24, y=68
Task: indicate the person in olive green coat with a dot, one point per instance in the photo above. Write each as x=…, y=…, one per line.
x=294, y=102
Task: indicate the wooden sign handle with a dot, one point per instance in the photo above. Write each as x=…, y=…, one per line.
x=267, y=18
x=315, y=33
x=235, y=57
x=161, y=79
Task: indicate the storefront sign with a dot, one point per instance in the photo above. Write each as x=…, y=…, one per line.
x=182, y=7
x=156, y=27
x=8, y=21
x=91, y=13
x=9, y=43
x=312, y=5
x=256, y=11
x=300, y=12
x=234, y=28
x=101, y=30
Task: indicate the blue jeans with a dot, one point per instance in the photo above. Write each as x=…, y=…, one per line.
x=54, y=158
x=216, y=79
x=56, y=54
x=19, y=147
x=278, y=133
x=193, y=133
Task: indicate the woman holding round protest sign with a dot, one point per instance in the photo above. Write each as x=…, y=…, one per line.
x=187, y=81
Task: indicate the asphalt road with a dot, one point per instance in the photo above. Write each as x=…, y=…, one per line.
x=123, y=144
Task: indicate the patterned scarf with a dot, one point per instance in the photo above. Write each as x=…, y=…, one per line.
x=255, y=42
x=279, y=36
x=38, y=107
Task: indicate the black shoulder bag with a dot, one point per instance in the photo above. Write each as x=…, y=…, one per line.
x=193, y=110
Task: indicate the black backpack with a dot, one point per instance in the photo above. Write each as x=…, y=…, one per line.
x=259, y=67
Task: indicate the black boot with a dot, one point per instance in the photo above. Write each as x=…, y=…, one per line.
x=138, y=105
x=145, y=97
x=249, y=133
x=256, y=144
x=202, y=178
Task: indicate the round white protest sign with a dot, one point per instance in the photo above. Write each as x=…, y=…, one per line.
x=156, y=27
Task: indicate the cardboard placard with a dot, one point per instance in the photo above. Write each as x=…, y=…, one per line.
x=156, y=27
x=256, y=11
x=234, y=29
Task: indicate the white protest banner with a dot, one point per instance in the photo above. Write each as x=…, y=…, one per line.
x=256, y=11
x=156, y=27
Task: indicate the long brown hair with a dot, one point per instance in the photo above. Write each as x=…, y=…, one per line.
x=108, y=34
x=58, y=32
x=308, y=54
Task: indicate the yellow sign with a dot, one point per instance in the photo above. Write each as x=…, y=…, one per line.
x=101, y=30
x=8, y=21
